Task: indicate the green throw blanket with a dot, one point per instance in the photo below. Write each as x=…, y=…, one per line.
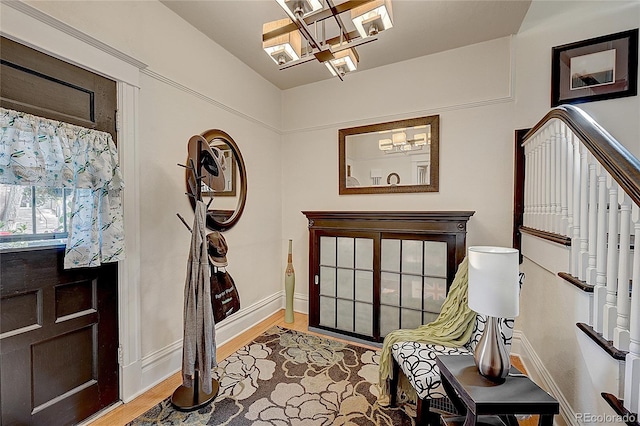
x=453, y=328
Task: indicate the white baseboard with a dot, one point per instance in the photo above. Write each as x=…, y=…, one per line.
x=161, y=364
x=541, y=376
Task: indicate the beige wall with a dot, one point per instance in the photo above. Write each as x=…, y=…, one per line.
x=191, y=85
x=470, y=88
x=549, y=307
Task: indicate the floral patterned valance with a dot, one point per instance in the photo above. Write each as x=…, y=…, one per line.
x=36, y=151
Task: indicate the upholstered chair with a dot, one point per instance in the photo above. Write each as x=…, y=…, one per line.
x=417, y=361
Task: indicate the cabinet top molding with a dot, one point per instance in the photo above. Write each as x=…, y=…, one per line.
x=450, y=221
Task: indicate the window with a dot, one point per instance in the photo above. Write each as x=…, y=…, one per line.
x=34, y=212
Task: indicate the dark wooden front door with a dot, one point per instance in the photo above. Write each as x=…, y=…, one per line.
x=59, y=341
x=58, y=328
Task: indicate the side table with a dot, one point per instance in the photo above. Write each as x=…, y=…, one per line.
x=476, y=395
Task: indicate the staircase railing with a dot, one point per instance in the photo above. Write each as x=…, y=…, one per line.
x=583, y=187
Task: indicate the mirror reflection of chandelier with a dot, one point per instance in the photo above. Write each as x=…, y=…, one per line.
x=302, y=37
x=400, y=144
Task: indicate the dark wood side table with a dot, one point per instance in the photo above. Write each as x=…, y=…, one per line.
x=476, y=396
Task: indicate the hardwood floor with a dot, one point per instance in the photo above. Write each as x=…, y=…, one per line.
x=125, y=413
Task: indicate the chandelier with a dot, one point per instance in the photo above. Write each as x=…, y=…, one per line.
x=398, y=143
x=302, y=37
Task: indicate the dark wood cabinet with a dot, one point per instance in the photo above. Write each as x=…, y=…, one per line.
x=374, y=272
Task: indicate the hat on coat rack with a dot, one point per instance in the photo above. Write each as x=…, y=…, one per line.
x=217, y=249
x=212, y=162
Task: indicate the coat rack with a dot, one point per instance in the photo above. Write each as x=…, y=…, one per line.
x=191, y=398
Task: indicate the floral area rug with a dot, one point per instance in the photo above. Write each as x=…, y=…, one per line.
x=285, y=377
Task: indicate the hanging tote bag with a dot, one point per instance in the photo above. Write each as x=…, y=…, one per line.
x=224, y=295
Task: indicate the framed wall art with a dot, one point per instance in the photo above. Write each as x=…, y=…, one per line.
x=596, y=69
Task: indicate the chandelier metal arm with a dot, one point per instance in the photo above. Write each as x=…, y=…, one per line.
x=351, y=44
x=315, y=17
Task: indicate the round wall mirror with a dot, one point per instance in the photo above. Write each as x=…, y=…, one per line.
x=225, y=202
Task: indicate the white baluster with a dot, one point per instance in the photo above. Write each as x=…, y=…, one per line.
x=557, y=141
x=632, y=362
x=570, y=190
x=584, y=212
x=553, y=178
x=621, y=330
x=600, y=290
x=575, y=237
x=548, y=217
x=564, y=180
x=590, y=276
x=610, y=312
x=539, y=183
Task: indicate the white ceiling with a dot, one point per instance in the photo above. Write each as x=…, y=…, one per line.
x=420, y=27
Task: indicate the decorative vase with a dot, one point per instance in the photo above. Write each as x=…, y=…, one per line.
x=289, y=287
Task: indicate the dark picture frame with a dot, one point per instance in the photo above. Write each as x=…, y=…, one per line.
x=596, y=69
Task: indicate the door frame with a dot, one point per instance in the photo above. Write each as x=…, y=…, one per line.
x=29, y=26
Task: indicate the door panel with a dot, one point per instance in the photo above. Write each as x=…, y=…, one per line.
x=58, y=328
x=57, y=359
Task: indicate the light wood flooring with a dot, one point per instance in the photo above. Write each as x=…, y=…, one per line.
x=125, y=413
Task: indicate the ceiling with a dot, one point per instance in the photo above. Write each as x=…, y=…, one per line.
x=420, y=27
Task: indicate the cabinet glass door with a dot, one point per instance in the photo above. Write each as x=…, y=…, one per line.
x=346, y=284
x=413, y=282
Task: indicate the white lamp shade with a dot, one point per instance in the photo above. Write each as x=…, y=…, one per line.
x=345, y=61
x=374, y=12
x=286, y=47
x=493, y=281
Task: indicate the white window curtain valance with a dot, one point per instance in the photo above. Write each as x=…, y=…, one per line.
x=36, y=151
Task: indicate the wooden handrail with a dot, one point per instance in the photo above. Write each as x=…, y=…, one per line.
x=613, y=156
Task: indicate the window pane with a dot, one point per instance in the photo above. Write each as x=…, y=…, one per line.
x=328, y=311
x=345, y=283
x=411, y=318
x=345, y=252
x=364, y=319
x=435, y=291
x=345, y=315
x=390, y=260
x=364, y=286
x=328, y=251
x=390, y=288
x=435, y=258
x=49, y=210
x=412, y=291
x=327, y=281
x=412, y=257
x=389, y=320
x=364, y=253
x=16, y=213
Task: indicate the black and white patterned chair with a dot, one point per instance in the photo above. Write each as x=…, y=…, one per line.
x=417, y=361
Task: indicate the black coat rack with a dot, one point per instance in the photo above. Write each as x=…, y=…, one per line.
x=191, y=398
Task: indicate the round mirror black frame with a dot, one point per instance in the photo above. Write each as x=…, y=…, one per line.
x=213, y=220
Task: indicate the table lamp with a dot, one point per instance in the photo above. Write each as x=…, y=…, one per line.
x=493, y=291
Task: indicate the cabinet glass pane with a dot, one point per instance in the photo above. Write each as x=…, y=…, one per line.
x=411, y=291
x=364, y=319
x=390, y=255
x=390, y=288
x=345, y=252
x=345, y=283
x=328, y=311
x=344, y=319
x=412, y=257
x=428, y=317
x=411, y=318
x=389, y=320
x=328, y=251
x=364, y=253
x=435, y=258
x=364, y=286
x=327, y=281
x=435, y=291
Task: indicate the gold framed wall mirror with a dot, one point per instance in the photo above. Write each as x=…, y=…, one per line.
x=391, y=157
x=226, y=204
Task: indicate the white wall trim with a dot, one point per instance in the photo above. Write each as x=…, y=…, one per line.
x=200, y=95
x=73, y=32
x=540, y=375
x=404, y=115
x=159, y=365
